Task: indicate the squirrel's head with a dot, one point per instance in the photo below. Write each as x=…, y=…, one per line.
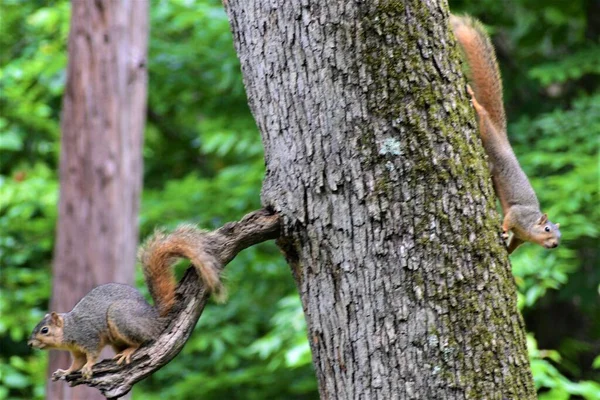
x=545, y=233
x=48, y=334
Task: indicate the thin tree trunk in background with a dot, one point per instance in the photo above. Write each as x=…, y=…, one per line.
x=101, y=158
x=374, y=161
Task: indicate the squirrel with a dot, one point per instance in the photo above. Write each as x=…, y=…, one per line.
x=117, y=314
x=519, y=202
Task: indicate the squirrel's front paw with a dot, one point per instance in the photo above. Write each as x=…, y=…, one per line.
x=86, y=371
x=60, y=373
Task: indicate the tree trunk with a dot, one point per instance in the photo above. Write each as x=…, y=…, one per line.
x=101, y=158
x=374, y=162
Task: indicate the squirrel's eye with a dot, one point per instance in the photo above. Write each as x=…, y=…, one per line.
x=44, y=330
x=547, y=229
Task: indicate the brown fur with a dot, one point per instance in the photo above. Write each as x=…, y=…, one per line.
x=483, y=67
x=522, y=215
x=54, y=322
x=160, y=252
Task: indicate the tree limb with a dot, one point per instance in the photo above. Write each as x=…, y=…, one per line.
x=224, y=243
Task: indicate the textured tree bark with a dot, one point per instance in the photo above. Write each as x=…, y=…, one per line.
x=388, y=217
x=101, y=162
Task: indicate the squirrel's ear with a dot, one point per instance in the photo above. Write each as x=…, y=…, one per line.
x=557, y=225
x=56, y=319
x=543, y=219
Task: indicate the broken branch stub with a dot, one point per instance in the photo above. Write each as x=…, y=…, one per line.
x=224, y=244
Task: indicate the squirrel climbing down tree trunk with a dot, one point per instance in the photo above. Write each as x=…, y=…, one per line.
x=519, y=202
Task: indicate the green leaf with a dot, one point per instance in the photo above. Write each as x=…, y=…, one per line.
x=10, y=141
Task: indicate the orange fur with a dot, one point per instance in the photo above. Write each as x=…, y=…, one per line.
x=484, y=71
x=161, y=251
x=521, y=208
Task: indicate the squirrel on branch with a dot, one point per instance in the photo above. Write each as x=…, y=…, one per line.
x=117, y=314
x=519, y=203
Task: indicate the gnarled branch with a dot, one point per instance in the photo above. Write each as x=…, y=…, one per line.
x=224, y=243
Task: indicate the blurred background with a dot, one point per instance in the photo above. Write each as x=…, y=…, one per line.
x=204, y=163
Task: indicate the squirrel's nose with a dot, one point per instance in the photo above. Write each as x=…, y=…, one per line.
x=30, y=343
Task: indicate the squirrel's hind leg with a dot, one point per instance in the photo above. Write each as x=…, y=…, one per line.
x=482, y=115
x=487, y=130
x=125, y=355
x=131, y=323
x=122, y=343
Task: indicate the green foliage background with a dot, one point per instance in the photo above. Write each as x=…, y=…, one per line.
x=204, y=163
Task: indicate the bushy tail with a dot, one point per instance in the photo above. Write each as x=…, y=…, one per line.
x=161, y=251
x=484, y=71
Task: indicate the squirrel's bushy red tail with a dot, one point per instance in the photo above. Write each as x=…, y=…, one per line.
x=484, y=71
x=160, y=252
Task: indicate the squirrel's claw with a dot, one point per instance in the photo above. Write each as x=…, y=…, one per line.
x=120, y=358
x=59, y=374
x=86, y=371
x=125, y=355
